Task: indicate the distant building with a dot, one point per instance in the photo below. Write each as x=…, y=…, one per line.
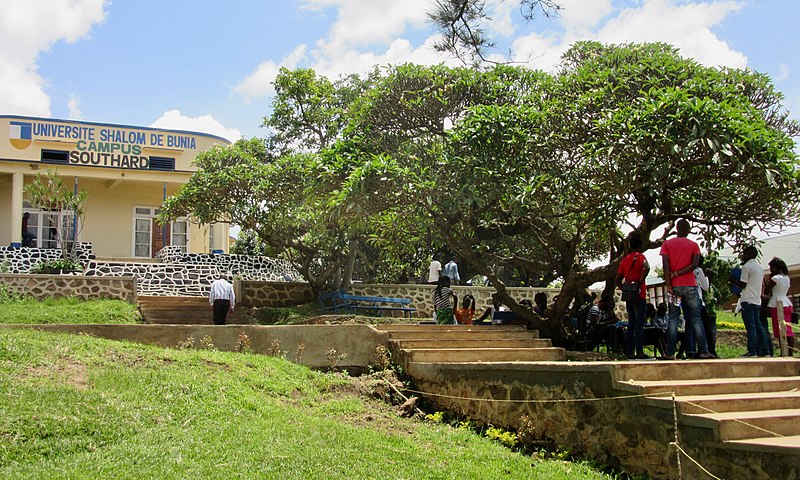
x=128, y=172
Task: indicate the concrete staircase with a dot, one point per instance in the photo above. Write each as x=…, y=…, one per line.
x=411, y=343
x=739, y=418
x=182, y=311
x=741, y=404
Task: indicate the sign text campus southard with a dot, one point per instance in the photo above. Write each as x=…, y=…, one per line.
x=105, y=146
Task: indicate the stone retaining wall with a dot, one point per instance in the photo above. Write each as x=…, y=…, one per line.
x=160, y=279
x=278, y=294
x=575, y=406
x=246, y=267
x=79, y=286
x=352, y=347
x=24, y=259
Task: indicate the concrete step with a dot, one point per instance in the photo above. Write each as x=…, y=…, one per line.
x=461, y=355
x=404, y=327
x=787, y=445
x=729, y=402
x=182, y=311
x=694, y=369
x=748, y=424
x=712, y=386
x=455, y=335
x=471, y=343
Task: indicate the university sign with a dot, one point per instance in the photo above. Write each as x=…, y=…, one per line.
x=99, y=146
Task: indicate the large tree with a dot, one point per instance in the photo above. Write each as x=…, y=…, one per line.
x=278, y=188
x=544, y=172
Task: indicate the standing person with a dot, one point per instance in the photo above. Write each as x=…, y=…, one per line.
x=466, y=313
x=751, y=281
x=778, y=289
x=441, y=302
x=435, y=270
x=702, y=287
x=27, y=237
x=634, y=268
x=680, y=256
x=451, y=270
x=222, y=299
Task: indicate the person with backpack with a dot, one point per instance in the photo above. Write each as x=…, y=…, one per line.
x=631, y=274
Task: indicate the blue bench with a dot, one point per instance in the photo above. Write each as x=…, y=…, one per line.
x=340, y=302
x=332, y=302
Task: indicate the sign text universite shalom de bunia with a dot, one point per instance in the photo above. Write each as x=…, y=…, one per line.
x=111, y=147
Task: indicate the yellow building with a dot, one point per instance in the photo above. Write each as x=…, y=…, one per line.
x=127, y=171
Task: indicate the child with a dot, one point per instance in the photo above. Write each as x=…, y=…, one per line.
x=465, y=314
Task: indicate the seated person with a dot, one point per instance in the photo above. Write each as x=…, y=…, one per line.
x=540, y=299
x=466, y=311
x=601, y=324
x=657, y=324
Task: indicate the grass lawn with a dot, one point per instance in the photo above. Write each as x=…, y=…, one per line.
x=67, y=310
x=82, y=407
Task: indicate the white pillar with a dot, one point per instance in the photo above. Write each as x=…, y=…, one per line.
x=17, y=180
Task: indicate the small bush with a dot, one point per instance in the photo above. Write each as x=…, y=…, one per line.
x=60, y=264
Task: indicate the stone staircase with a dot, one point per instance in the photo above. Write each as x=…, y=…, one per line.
x=182, y=311
x=741, y=404
x=410, y=343
x=739, y=418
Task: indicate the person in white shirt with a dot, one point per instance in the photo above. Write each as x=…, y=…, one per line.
x=222, y=299
x=751, y=282
x=434, y=271
x=778, y=289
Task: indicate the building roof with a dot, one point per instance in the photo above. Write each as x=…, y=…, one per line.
x=786, y=247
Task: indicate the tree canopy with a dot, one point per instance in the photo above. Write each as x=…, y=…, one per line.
x=523, y=174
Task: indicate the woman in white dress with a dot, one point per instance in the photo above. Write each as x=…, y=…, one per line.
x=778, y=288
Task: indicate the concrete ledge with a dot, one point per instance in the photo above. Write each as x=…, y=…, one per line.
x=358, y=343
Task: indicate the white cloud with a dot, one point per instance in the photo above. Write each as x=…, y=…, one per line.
x=74, y=107
x=578, y=15
x=259, y=82
x=684, y=24
x=27, y=29
x=174, y=120
x=369, y=22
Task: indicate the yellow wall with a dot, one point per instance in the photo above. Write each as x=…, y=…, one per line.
x=115, y=185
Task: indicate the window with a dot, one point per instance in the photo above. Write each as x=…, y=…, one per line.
x=44, y=226
x=60, y=157
x=210, y=237
x=149, y=237
x=180, y=234
x=162, y=163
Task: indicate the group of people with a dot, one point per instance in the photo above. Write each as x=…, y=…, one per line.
x=757, y=297
x=690, y=293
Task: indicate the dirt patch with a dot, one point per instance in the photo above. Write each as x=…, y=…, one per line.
x=382, y=412
x=66, y=371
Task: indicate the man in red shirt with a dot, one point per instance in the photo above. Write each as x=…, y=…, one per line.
x=680, y=256
x=634, y=268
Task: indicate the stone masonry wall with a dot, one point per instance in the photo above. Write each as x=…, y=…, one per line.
x=24, y=259
x=259, y=294
x=246, y=267
x=79, y=286
x=160, y=279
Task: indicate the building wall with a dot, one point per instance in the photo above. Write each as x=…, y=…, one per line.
x=114, y=163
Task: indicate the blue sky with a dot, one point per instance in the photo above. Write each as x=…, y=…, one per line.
x=207, y=65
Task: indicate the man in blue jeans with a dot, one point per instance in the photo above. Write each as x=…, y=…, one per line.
x=680, y=256
x=751, y=281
